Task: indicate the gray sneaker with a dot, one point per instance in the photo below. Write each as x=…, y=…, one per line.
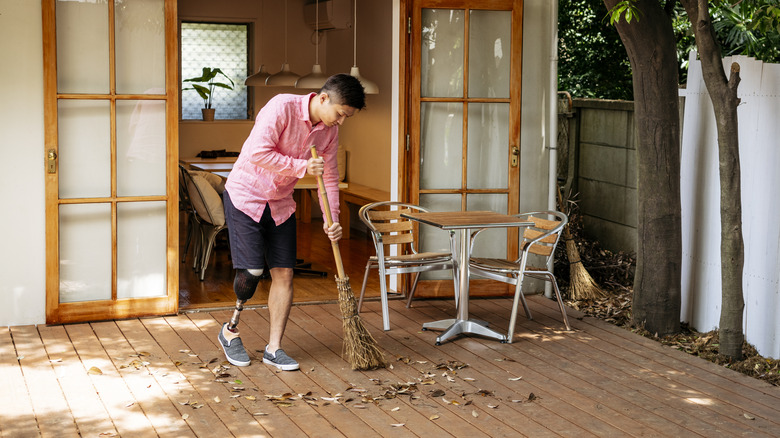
x=234, y=348
x=280, y=360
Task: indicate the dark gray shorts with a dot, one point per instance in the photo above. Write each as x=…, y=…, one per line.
x=259, y=245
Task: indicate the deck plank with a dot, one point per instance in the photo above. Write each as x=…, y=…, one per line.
x=86, y=406
x=596, y=380
x=17, y=416
x=51, y=409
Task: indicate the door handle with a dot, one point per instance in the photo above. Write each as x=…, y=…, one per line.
x=51, y=161
x=515, y=156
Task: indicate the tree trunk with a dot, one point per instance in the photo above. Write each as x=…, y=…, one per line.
x=723, y=93
x=650, y=44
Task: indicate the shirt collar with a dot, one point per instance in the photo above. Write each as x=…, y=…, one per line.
x=305, y=99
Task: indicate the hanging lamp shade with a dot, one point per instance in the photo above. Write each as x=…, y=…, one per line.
x=370, y=87
x=315, y=79
x=257, y=79
x=285, y=77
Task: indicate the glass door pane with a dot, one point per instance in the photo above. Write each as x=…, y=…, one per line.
x=85, y=252
x=140, y=46
x=442, y=53
x=82, y=47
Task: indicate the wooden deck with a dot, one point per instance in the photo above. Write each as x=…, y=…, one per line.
x=166, y=377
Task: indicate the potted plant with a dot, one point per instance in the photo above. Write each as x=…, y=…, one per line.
x=205, y=88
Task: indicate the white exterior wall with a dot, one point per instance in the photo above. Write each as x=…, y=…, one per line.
x=22, y=259
x=759, y=132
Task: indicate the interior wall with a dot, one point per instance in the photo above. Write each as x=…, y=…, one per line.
x=22, y=262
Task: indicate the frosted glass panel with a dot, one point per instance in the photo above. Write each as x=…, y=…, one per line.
x=492, y=241
x=84, y=148
x=489, y=49
x=435, y=239
x=442, y=53
x=140, y=142
x=441, y=142
x=488, y=149
x=140, y=46
x=85, y=252
x=141, y=248
x=82, y=47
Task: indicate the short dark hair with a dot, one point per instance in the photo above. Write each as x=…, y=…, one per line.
x=345, y=89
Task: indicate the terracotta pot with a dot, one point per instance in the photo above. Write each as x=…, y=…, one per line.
x=208, y=114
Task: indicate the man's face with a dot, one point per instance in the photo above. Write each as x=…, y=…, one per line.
x=334, y=114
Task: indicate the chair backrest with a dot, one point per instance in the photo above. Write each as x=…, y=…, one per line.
x=387, y=226
x=543, y=236
x=206, y=202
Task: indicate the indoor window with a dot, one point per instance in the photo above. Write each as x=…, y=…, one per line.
x=216, y=45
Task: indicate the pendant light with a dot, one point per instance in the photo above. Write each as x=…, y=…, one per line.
x=316, y=79
x=369, y=86
x=258, y=79
x=284, y=77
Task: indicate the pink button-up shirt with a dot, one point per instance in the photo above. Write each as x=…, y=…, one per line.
x=274, y=157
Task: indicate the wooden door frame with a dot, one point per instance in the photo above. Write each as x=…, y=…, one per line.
x=114, y=308
x=408, y=175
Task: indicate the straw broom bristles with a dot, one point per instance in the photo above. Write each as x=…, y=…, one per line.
x=581, y=284
x=360, y=347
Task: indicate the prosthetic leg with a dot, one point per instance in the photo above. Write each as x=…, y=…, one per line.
x=244, y=285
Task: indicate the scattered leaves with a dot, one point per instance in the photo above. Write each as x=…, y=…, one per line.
x=95, y=371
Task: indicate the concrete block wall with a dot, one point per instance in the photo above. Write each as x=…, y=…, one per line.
x=606, y=171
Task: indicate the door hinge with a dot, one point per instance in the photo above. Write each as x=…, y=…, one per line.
x=408, y=140
x=409, y=25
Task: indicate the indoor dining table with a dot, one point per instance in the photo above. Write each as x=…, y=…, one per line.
x=464, y=222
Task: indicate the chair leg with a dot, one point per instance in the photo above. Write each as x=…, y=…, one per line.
x=513, y=317
x=383, y=297
x=414, y=288
x=363, y=289
x=208, y=239
x=560, y=303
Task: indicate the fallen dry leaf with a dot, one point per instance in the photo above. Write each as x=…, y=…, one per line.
x=217, y=399
x=398, y=424
x=748, y=416
x=95, y=371
x=433, y=417
x=514, y=379
x=474, y=414
x=185, y=416
x=395, y=409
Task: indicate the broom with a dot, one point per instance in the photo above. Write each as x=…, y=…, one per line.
x=359, y=346
x=581, y=284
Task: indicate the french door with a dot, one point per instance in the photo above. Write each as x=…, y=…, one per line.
x=464, y=118
x=110, y=90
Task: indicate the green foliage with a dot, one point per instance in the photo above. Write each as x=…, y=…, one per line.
x=592, y=61
x=208, y=78
x=623, y=7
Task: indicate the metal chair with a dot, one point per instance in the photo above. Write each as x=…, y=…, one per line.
x=539, y=239
x=207, y=217
x=387, y=229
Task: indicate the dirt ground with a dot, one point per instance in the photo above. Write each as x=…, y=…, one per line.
x=614, y=273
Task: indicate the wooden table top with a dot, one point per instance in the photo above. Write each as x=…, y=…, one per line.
x=451, y=220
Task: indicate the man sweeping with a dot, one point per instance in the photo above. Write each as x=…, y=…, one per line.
x=259, y=205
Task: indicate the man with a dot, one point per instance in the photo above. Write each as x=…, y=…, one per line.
x=259, y=207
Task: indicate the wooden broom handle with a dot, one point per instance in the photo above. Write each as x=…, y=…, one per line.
x=329, y=218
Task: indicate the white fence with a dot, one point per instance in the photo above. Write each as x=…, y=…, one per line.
x=759, y=142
